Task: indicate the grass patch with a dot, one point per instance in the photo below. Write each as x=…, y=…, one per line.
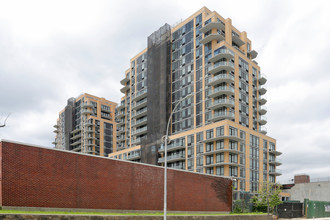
x=115, y=213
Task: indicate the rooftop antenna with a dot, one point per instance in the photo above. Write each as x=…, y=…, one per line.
x=4, y=123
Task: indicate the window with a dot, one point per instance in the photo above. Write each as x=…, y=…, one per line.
x=220, y=171
x=220, y=131
x=209, y=134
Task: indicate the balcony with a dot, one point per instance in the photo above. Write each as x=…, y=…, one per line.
x=137, y=141
x=211, y=37
x=139, y=104
x=55, y=126
x=262, y=79
x=171, y=148
x=120, y=131
x=262, y=100
x=140, y=131
x=262, y=90
x=235, y=151
x=222, y=90
x=125, y=80
x=77, y=149
x=56, y=131
x=87, y=105
x=230, y=137
x=218, y=25
x=217, y=116
x=139, y=95
x=223, y=53
x=263, y=130
x=120, y=114
x=219, y=103
x=237, y=40
x=140, y=113
x=276, y=162
x=253, y=54
x=86, y=112
x=75, y=131
x=140, y=122
x=134, y=156
x=125, y=88
x=120, y=123
x=262, y=120
x=262, y=110
x=214, y=164
x=228, y=78
x=76, y=143
x=275, y=172
x=217, y=67
x=120, y=107
x=172, y=158
x=75, y=137
x=275, y=152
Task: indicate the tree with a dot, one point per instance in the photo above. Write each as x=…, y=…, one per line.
x=268, y=198
x=4, y=123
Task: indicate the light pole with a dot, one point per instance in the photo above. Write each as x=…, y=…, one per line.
x=165, y=152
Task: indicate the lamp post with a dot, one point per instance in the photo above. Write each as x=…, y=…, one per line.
x=165, y=152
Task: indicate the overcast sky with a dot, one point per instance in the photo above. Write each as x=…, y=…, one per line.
x=53, y=50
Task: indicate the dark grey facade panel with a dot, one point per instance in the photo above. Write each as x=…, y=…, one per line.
x=159, y=97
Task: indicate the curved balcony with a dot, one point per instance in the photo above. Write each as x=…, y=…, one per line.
x=172, y=158
x=262, y=100
x=139, y=104
x=140, y=95
x=125, y=80
x=171, y=148
x=222, y=90
x=217, y=116
x=134, y=156
x=237, y=40
x=223, y=137
x=211, y=37
x=253, y=54
x=263, y=130
x=212, y=25
x=87, y=105
x=125, y=88
x=86, y=112
x=120, y=107
x=140, y=122
x=235, y=151
x=275, y=172
x=262, y=110
x=120, y=131
x=140, y=113
x=217, y=67
x=120, y=123
x=262, y=90
x=262, y=79
x=228, y=78
x=223, y=53
x=262, y=120
x=276, y=162
x=56, y=131
x=275, y=152
x=219, y=103
x=140, y=131
x=215, y=164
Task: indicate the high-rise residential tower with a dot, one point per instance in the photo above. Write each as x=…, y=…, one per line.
x=220, y=129
x=87, y=124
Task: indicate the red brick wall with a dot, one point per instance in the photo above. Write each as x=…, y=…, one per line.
x=41, y=177
x=301, y=179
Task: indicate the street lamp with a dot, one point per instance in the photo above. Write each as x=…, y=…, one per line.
x=165, y=151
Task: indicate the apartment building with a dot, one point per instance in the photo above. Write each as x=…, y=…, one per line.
x=87, y=124
x=220, y=129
